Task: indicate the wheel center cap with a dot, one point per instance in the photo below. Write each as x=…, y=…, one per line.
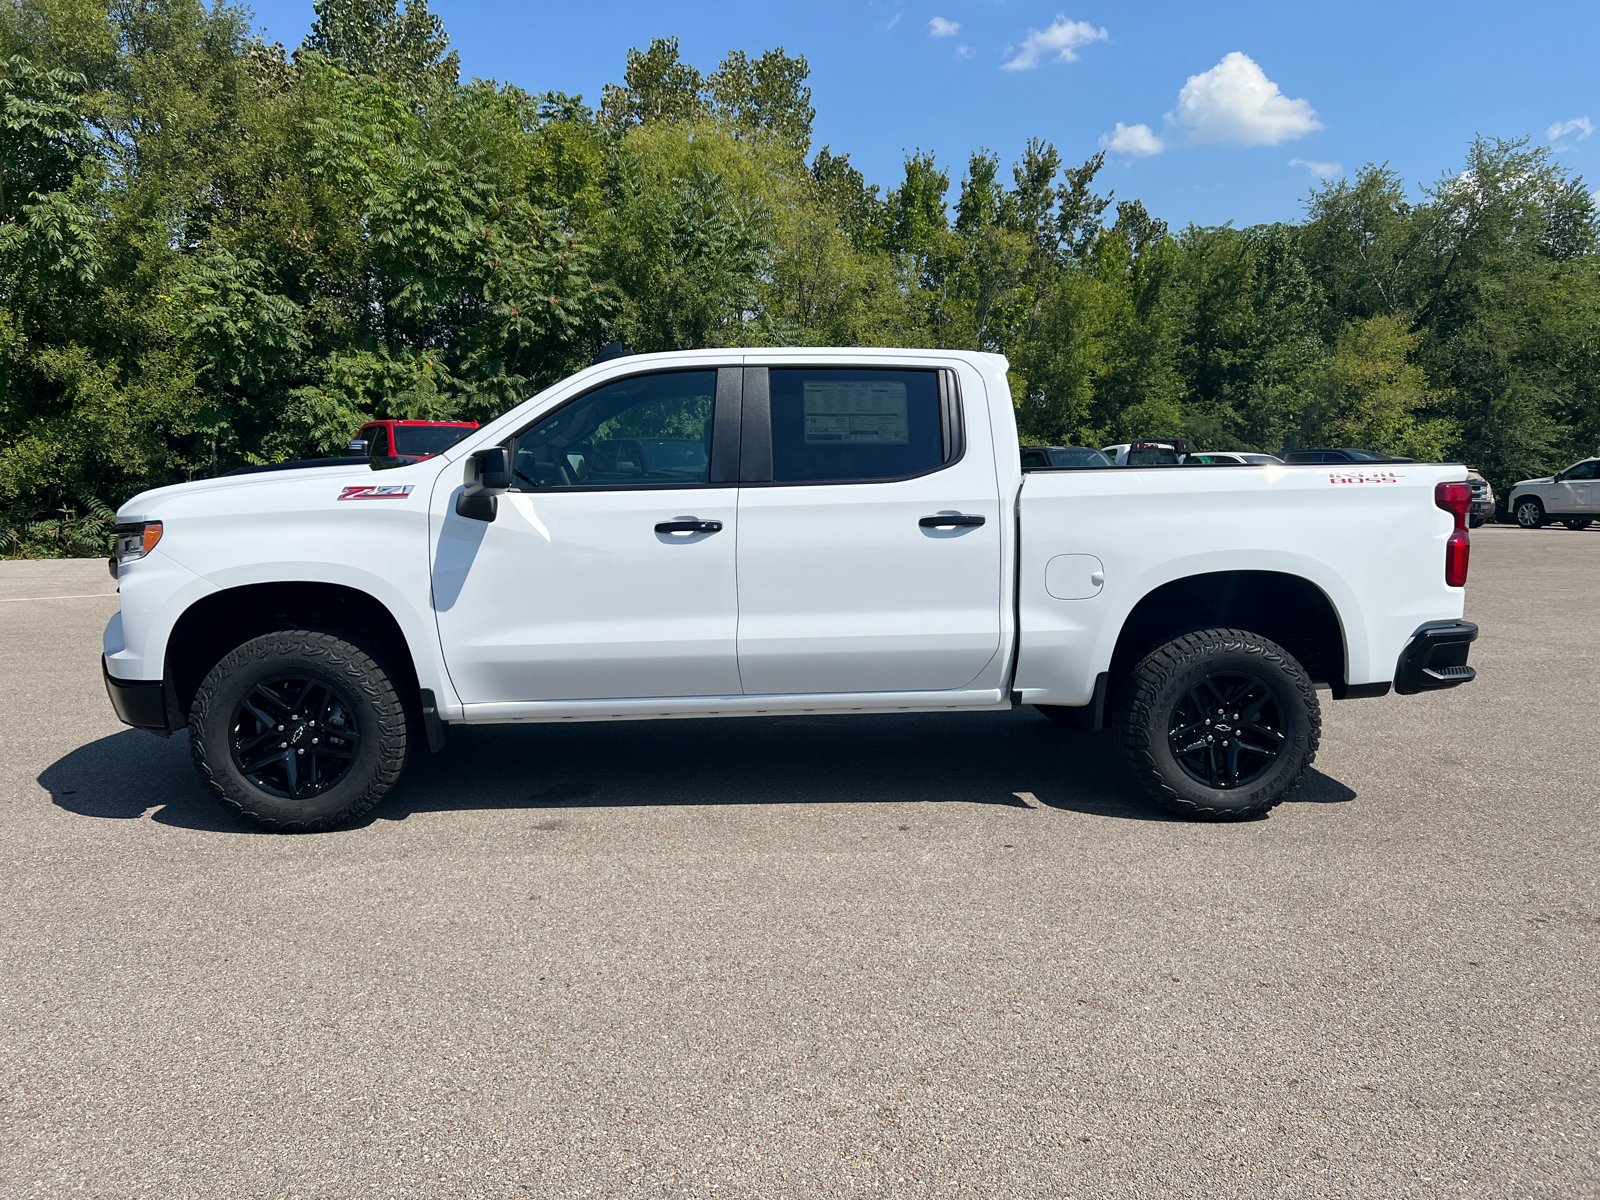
x=299, y=732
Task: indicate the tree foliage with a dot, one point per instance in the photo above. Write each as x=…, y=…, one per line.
x=214, y=252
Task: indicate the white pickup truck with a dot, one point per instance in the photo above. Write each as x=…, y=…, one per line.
x=726, y=533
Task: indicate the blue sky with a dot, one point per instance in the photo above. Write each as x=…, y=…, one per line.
x=1226, y=112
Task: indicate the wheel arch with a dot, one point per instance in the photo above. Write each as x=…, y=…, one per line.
x=223, y=620
x=1288, y=609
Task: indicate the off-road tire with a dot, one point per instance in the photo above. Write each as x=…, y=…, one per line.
x=1156, y=686
x=379, y=714
x=1576, y=524
x=1529, y=513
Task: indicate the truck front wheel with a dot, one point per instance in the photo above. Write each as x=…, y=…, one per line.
x=298, y=732
x=1220, y=724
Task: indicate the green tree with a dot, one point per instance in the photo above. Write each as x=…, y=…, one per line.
x=376, y=37
x=765, y=97
x=657, y=86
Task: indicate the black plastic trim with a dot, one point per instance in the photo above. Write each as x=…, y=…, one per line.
x=755, y=427
x=1361, y=691
x=430, y=720
x=1097, y=702
x=1435, y=658
x=141, y=703
x=725, y=426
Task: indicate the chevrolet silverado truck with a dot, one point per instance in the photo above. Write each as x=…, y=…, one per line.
x=724, y=533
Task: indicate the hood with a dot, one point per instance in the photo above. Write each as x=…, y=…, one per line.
x=1533, y=482
x=143, y=506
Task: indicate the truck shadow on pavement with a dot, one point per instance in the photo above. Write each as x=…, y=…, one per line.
x=973, y=758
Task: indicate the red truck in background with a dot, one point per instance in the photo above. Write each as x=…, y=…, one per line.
x=410, y=439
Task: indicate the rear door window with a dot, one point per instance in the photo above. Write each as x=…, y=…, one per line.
x=849, y=425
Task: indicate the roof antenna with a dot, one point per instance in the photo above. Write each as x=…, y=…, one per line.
x=609, y=351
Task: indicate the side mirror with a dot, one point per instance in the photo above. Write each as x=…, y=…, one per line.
x=488, y=475
x=494, y=470
x=357, y=448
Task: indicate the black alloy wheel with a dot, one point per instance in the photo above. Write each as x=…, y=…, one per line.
x=1218, y=724
x=1530, y=513
x=297, y=731
x=294, y=737
x=1226, y=731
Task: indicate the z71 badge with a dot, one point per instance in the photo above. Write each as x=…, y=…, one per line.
x=387, y=491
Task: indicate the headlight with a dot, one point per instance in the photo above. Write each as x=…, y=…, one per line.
x=135, y=541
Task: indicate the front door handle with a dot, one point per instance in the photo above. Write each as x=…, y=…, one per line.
x=951, y=521
x=689, y=525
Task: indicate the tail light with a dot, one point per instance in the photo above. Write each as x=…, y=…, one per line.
x=1456, y=499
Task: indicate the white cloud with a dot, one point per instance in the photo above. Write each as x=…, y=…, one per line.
x=965, y=51
x=1236, y=102
x=1322, y=170
x=1136, y=141
x=1581, y=126
x=1062, y=39
x=939, y=27
x=893, y=21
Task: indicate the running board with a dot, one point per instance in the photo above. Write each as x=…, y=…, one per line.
x=733, y=706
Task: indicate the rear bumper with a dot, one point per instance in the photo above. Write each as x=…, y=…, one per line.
x=141, y=703
x=1435, y=658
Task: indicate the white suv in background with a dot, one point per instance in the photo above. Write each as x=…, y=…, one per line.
x=1571, y=497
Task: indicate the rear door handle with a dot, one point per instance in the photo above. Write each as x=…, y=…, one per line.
x=691, y=525
x=951, y=521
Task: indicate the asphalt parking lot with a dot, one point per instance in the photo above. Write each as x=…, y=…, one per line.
x=819, y=956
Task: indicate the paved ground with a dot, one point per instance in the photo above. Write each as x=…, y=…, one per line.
x=802, y=957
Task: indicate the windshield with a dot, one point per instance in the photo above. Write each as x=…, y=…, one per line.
x=1365, y=456
x=427, y=439
x=1144, y=456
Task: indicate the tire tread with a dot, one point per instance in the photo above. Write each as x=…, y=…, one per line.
x=1136, y=718
x=358, y=671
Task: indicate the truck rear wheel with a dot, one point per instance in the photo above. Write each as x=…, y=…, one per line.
x=1220, y=724
x=298, y=732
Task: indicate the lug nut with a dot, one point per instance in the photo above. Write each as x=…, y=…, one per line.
x=283, y=745
x=313, y=741
x=280, y=728
x=299, y=751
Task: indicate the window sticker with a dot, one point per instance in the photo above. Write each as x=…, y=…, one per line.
x=851, y=412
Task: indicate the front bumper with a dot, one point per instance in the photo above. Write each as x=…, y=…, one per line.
x=1435, y=658
x=142, y=703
